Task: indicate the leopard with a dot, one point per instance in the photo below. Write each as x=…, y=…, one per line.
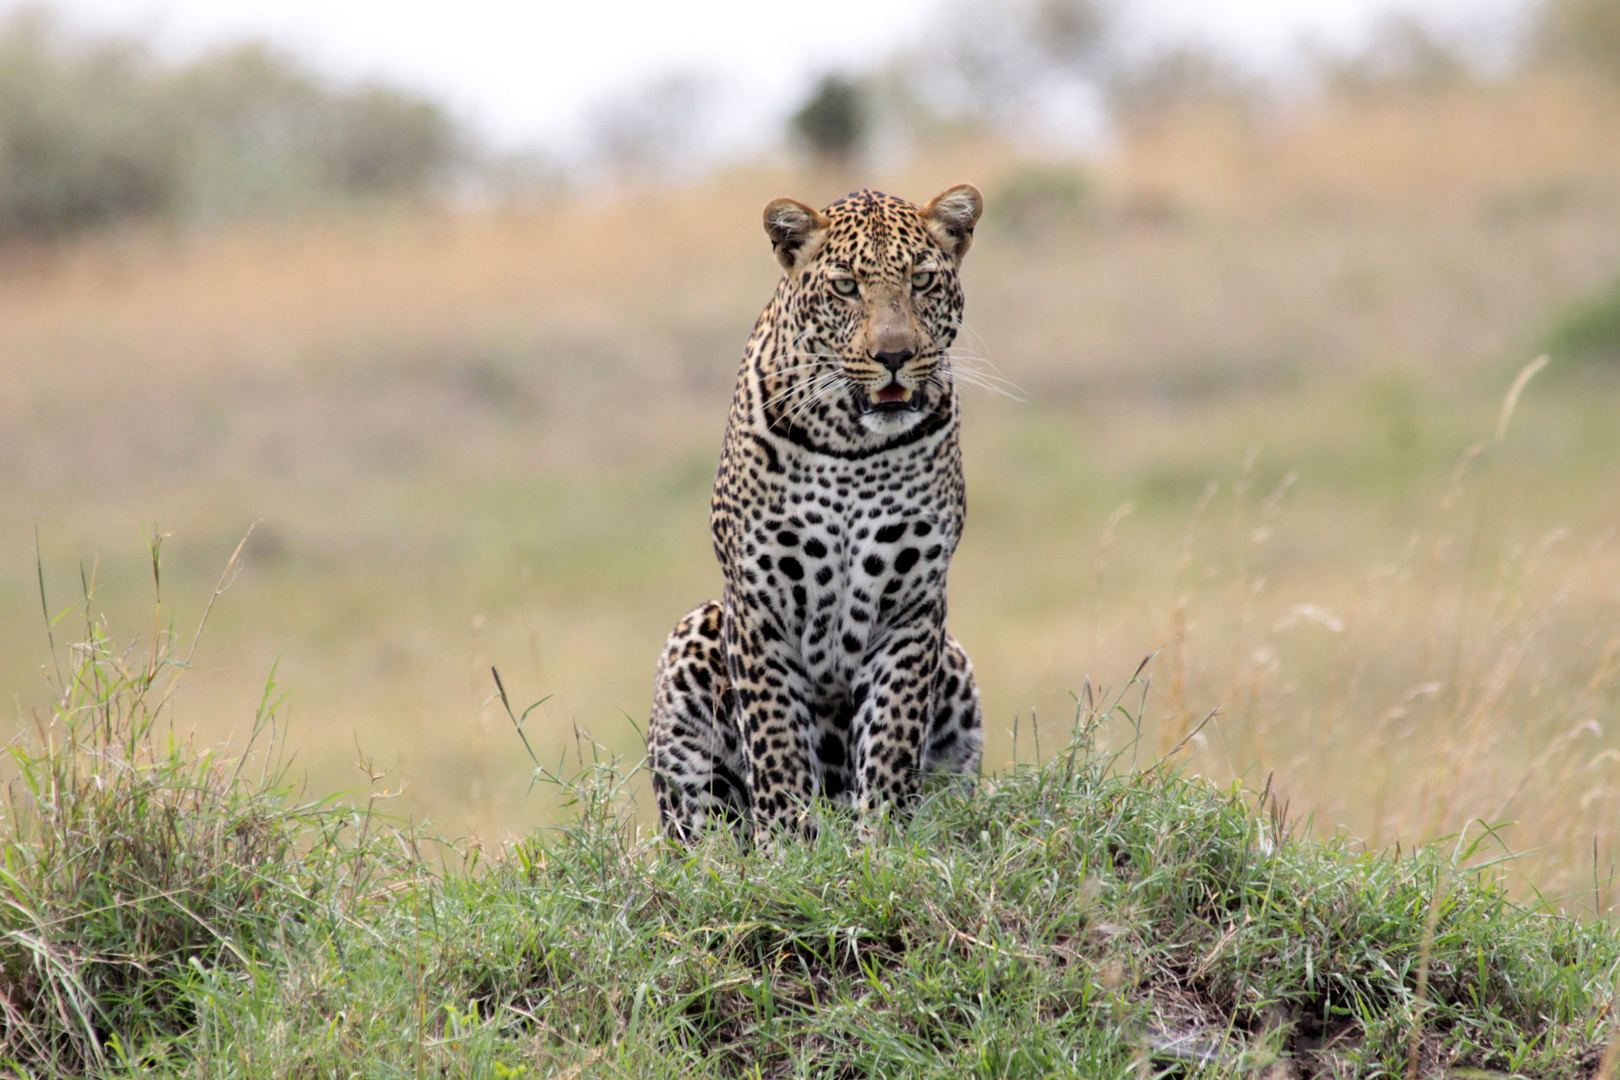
x=825, y=673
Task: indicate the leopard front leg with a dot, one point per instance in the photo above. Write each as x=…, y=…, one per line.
x=956, y=728
x=772, y=691
x=894, y=693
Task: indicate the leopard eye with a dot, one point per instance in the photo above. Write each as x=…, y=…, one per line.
x=923, y=280
x=845, y=286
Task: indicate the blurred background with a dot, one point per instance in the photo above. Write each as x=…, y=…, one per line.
x=453, y=313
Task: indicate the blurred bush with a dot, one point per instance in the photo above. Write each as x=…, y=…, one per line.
x=1037, y=199
x=1590, y=328
x=1583, y=34
x=85, y=135
x=96, y=129
x=832, y=122
x=262, y=132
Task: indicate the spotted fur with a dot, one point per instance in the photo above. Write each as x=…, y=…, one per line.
x=826, y=669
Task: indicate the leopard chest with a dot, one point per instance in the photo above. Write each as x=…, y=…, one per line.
x=835, y=552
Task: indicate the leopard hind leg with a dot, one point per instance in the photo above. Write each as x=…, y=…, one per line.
x=955, y=743
x=694, y=745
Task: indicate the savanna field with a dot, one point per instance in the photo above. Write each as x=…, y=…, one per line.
x=1271, y=422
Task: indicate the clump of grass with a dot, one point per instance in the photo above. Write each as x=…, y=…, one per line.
x=137, y=867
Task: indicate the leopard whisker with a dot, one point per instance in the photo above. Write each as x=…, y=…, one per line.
x=984, y=378
x=965, y=354
x=980, y=351
x=990, y=387
x=979, y=365
x=824, y=391
x=796, y=367
x=788, y=392
x=813, y=390
x=967, y=376
x=815, y=360
x=983, y=347
x=781, y=395
x=785, y=395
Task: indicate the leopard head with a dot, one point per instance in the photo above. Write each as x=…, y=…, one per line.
x=869, y=304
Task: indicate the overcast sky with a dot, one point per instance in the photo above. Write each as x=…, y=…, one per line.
x=524, y=72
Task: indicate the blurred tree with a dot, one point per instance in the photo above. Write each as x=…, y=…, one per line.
x=1583, y=34
x=95, y=130
x=832, y=123
x=382, y=141
x=80, y=141
x=1073, y=34
x=265, y=131
x=251, y=116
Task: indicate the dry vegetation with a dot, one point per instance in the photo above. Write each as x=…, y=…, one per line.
x=1264, y=364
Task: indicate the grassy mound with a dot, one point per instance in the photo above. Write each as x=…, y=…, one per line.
x=1076, y=919
x=167, y=912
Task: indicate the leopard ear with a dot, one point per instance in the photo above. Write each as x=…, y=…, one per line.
x=796, y=231
x=950, y=217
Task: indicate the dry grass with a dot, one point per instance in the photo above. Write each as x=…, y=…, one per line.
x=481, y=438
x=1526, y=148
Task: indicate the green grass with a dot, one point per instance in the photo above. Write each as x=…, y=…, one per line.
x=167, y=911
x=136, y=866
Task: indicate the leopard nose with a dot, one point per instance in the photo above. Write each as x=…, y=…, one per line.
x=892, y=359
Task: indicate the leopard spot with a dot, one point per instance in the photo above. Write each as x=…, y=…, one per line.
x=831, y=750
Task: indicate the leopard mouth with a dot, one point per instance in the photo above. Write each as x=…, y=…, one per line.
x=892, y=398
